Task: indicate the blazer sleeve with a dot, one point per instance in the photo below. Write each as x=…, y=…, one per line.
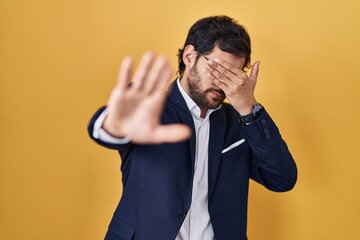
x=99, y=141
x=272, y=164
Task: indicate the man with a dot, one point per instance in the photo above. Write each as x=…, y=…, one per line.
x=187, y=156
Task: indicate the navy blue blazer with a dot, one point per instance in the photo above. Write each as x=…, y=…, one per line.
x=157, y=179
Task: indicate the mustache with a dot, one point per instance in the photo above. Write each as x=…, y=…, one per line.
x=216, y=90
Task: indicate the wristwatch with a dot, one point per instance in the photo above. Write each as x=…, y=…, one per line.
x=255, y=113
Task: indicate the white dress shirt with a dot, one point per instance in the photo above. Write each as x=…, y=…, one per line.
x=196, y=225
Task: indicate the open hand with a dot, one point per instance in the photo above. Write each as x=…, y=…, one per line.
x=237, y=85
x=134, y=110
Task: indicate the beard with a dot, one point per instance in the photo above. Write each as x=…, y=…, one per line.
x=203, y=97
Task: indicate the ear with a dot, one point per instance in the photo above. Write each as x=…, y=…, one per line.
x=189, y=55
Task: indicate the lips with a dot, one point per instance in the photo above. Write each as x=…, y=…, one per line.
x=217, y=94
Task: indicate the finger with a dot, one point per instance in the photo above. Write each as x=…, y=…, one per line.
x=143, y=70
x=159, y=90
x=224, y=75
x=158, y=75
x=222, y=85
x=222, y=66
x=124, y=78
x=255, y=71
x=218, y=71
x=222, y=80
x=215, y=73
x=171, y=133
x=166, y=77
x=124, y=75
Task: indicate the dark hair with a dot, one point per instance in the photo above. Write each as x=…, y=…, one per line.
x=221, y=31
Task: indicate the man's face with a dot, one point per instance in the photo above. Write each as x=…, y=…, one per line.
x=200, y=83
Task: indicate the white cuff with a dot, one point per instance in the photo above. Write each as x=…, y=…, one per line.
x=101, y=134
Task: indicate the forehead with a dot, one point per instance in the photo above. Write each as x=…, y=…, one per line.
x=235, y=61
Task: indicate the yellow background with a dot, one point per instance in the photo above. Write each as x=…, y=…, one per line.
x=59, y=61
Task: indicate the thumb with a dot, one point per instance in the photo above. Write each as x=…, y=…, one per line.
x=172, y=133
x=255, y=71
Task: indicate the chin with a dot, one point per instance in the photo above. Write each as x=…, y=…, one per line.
x=215, y=104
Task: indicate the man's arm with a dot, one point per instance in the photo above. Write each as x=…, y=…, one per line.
x=272, y=164
x=99, y=135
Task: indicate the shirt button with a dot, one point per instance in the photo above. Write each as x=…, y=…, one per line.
x=263, y=121
x=180, y=214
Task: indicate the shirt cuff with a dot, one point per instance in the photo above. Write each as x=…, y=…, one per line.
x=100, y=134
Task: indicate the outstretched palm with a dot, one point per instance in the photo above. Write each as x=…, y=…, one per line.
x=134, y=110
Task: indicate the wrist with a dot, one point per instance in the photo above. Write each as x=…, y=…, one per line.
x=245, y=110
x=111, y=128
x=255, y=113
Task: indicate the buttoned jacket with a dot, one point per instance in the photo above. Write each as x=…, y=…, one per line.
x=157, y=179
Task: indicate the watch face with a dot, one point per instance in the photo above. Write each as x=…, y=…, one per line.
x=255, y=113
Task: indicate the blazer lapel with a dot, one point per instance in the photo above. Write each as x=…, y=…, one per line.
x=179, y=103
x=216, y=139
x=216, y=142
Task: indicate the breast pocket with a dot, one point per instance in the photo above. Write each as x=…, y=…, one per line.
x=234, y=149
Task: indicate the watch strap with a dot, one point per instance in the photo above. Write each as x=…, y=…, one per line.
x=255, y=113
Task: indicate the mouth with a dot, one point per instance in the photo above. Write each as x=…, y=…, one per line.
x=217, y=94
